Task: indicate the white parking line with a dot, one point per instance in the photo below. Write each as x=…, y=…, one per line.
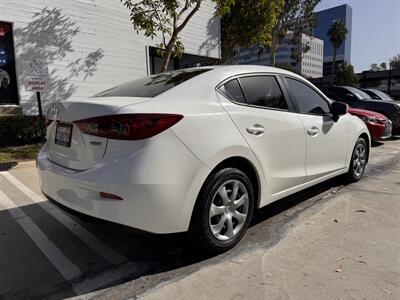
x=82, y=233
x=66, y=268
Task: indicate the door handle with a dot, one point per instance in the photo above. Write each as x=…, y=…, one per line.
x=313, y=131
x=256, y=129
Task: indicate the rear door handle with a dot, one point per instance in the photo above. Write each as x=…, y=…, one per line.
x=313, y=131
x=256, y=129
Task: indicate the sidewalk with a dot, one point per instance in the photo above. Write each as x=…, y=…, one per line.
x=348, y=250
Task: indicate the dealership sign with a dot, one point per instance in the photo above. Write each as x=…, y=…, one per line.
x=36, y=75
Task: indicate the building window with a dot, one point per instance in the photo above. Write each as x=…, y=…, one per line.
x=8, y=77
x=185, y=61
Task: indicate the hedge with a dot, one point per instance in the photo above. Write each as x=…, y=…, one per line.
x=19, y=130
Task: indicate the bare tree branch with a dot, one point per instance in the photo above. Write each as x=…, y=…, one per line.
x=189, y=16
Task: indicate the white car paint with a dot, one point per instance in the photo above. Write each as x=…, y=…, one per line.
x=160, y=178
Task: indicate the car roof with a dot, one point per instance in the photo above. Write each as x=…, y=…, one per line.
x=231, y=70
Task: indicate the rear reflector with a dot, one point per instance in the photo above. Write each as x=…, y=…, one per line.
x=110, y=196
x=128, y=126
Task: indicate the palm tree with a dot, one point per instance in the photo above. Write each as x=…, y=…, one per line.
x=337, y=35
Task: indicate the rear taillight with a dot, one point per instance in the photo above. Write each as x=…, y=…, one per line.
x=128, y=126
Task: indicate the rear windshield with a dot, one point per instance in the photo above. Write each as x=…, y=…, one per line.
x=382, y=95
x=359, y=94
x=151, y=86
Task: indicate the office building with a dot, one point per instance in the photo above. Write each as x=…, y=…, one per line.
x=324, y=20
x=310, y=65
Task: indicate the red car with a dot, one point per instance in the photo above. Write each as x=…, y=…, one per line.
x=378, y=125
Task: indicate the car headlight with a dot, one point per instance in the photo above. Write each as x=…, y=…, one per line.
x=369, y=119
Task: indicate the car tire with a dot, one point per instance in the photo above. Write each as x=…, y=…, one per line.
x=358, y=161
x=213, y=209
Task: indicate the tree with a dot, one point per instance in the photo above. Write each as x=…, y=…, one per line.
x=394, y=63
x=167, y=17
x=337, y=35
x=296, y=16
x=246, y=24
x=286, y=66
x=345, y=75
x=374, y=67
x=298, y=49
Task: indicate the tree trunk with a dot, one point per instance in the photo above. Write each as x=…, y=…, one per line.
x=272, y=58
x=168, y=54
x=333, y=64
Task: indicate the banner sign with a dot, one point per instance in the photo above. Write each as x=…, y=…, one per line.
x=36, y=75
x=8, y=78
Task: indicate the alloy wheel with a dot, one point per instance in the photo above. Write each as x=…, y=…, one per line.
x=229, y=210
x=359, y=159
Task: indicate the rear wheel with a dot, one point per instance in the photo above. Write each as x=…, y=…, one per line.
x=358, y=161
x=223, y=211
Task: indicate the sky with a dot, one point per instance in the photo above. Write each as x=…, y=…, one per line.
x=375, y=31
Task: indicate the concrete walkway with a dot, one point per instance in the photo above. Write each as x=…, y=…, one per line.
x=350, y=249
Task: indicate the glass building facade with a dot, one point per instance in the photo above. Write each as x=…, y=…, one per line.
x=324, y=20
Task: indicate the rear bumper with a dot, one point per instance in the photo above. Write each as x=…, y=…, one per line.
x=154, y=194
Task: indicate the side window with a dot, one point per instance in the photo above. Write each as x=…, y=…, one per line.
x=263, y=91
x=308, y=100
x=232, y=91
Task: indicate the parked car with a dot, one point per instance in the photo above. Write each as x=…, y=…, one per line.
x=198, y=149
x=358, y=99
x=378, y=125
x=4, y=79
x=378, y=95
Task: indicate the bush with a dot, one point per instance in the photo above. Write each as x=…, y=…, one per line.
x=19, y=130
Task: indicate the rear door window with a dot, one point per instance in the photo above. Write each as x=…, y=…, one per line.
x=151, y=86
x=263, y=91
x=232, y=91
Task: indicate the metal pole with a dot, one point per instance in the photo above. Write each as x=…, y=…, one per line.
x=41, y=124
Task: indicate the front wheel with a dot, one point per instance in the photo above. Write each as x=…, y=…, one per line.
x=223, y=210
x=358, y=161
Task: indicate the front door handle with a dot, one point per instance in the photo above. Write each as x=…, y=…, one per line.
x=256, y=129
x=313, y=131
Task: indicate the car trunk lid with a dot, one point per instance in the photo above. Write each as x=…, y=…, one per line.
x=70, y=147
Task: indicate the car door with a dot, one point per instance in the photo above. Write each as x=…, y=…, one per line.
x=275, y=134
x=327, y=139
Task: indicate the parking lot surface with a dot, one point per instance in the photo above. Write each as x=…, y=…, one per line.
x=45, y=252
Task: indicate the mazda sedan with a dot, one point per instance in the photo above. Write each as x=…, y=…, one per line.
x=197, y=150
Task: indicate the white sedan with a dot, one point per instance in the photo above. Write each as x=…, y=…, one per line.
x=197, y=149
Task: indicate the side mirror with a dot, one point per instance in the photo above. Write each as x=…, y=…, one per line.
x=349, y=97
x=338, y=109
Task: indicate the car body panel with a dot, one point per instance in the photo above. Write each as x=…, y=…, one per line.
x=321, y=160
x=280, y=174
